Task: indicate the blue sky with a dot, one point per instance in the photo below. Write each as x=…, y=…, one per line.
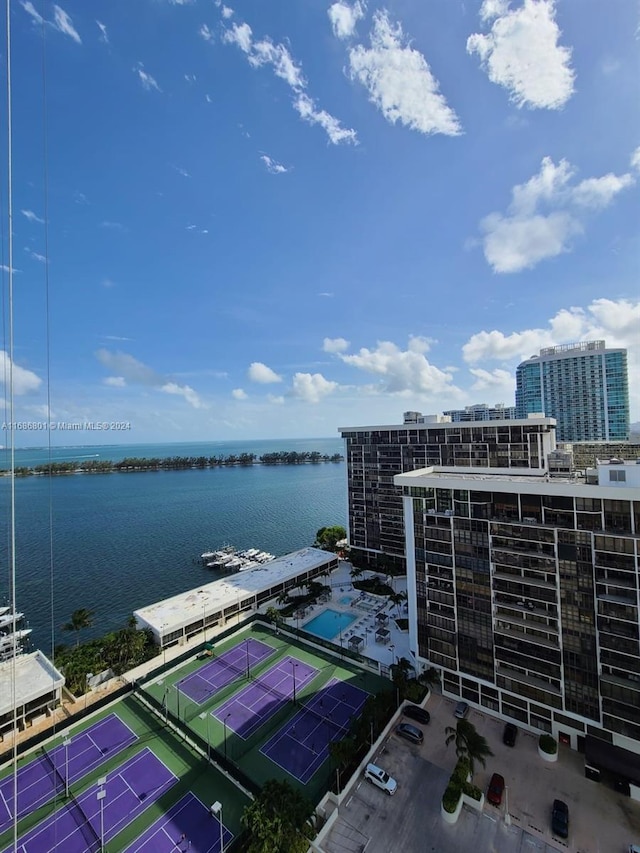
x=271, y=219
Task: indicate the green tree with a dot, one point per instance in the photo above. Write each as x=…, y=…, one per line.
x=80, y=619
x=470, y=745
x=279, y=820
x=273, y=615
x=327, y=538
x=430, y=677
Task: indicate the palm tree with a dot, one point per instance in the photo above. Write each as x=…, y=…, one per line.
x=80, y=619
x=470, y=745
x=280, y=818
x=283, y=598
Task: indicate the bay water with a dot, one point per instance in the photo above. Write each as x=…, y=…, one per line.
x=115, y=542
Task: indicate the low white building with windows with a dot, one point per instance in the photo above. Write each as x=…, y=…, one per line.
x=37, y=690
x=176, y=619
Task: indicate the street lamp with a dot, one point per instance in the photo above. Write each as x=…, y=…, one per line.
x=204, y=623
x=293, y=670
x=101, y=795
x=66, y=742
x=216, y=809
x=203, y=715
x=392, y=649
x=162, y=643
x=224, y=723
x=246, y=646
x=507, y=816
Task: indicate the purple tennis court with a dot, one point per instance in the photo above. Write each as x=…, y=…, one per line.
x=42, y=778
x=245, y=712
x=84, y=823
x=187, y=826
x=233, y=664
x=302, y=746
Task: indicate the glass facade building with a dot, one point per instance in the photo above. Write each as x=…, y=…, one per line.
x=525, y=593
x=583, y=386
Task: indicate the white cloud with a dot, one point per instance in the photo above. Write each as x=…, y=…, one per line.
x=115, y=381
x=104, y=35
x=259, y=372
x=148, y=82
x=226, y=12
x=545, y=214
x=206, y=33
x=31, y=216
x=30, y=9
x=276, y=400
x=522, y=54
x=112, y=226
x=344, y=18
x=311, y=387
x=400, y=82
x=335, y=345
x=306, y=109
x=616, y=321
x=326, y=294
x=277, y=56
x=498, y=381
x=240, y=35
x=635, y=160
x=185, y=391
x=402, y=371
x=182, y=171
x=35, y=255
x=63, y=23
x=190, y=78
x=125, y=367
x=273, y=166
x=24, y=381
x=239, y=394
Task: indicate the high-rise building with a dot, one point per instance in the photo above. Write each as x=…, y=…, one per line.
x=482, y=412
x=583, y=386
x=375, y=454
x=525, y=592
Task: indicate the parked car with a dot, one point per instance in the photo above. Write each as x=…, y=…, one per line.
x=510, y=735
x=409, y=732
x=380, y=778
x=461, y=711
x=560, y=819
x=414, y=712
x=634, y=848
x=496, y=789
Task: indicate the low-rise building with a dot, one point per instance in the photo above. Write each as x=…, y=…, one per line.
x=32, y=686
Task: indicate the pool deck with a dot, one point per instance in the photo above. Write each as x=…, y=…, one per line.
x=364, y=626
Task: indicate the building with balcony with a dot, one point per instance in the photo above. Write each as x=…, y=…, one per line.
x=525, y=592
x=375, y=454
x=583, y=386
x=482, y=412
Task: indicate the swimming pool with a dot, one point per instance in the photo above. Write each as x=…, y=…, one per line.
x=329, y=623
x=346, y=599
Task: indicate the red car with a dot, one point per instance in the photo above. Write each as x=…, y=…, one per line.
x=496, y=789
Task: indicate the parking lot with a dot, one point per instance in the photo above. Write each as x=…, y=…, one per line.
x=601, y=821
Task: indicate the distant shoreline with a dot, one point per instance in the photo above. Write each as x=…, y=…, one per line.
x=174, y=463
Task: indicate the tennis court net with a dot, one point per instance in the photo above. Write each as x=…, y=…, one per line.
x=340, y=728
x=60, y=783
x=84, y=823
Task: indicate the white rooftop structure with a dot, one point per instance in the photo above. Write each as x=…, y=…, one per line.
x=36, y=677
x=172, y=618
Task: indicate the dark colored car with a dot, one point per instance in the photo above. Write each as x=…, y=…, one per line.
x=414, y=712
x=461, y=710
x=560, y=819
x=496, y=789
x=510, y=735
x=409, y=732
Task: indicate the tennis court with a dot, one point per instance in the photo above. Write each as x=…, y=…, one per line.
x=85, y=822
x=42, y=778
x=302, y=746
x=211, y=677
x=245, y=712
x=188, y=826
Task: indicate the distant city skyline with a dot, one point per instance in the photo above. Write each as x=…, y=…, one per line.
x=265, y=220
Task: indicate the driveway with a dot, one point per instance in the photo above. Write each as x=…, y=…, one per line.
x=601, y=821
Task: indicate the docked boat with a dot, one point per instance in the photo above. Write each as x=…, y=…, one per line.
x=229, y=559
x=8, y=618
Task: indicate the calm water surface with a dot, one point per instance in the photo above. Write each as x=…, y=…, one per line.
x=123, y=540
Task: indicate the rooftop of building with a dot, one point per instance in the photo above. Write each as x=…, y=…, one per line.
x=575, y=349
x=35, y=676
x=179, y=610
x=444, y=422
